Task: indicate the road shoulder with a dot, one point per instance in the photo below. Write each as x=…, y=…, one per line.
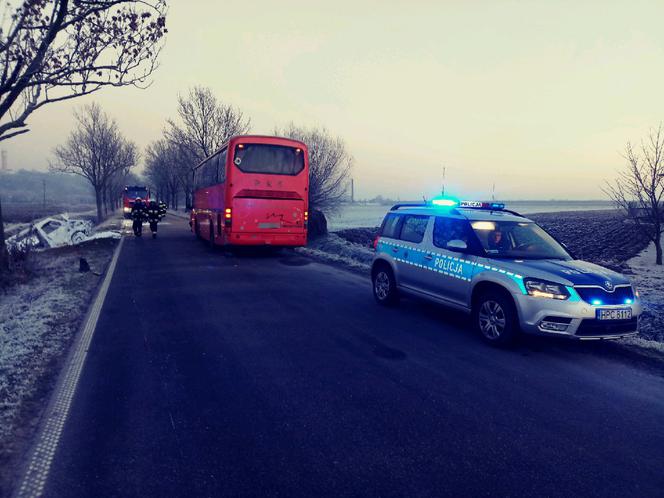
x=41, y=319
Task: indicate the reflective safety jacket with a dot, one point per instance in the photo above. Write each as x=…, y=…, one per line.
x=162, y=209
x=138, y=211
x=153, y=212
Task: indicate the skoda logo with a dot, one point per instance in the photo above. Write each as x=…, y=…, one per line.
x=608, y=285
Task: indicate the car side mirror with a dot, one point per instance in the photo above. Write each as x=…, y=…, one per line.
x=457, y=245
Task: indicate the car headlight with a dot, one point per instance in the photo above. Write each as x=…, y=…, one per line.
x=544, y=288
x=126, y=209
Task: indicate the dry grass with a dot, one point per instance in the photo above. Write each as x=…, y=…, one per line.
x=40, y=310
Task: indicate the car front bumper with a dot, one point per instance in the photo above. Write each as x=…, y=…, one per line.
x=575, y=319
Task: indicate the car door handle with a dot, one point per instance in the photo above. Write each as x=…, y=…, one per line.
x=395, y=249
x=428, y=257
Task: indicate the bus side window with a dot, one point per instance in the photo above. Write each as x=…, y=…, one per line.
x=211, y=167
x=221, y=166
x=208, y=173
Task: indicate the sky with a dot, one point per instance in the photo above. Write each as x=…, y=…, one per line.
x=537, y=98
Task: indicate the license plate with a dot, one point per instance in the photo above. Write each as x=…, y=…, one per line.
x=614, y=314
x=269, y=225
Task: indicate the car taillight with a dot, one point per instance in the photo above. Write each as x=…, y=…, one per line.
x=375, y=242
x=228, y=216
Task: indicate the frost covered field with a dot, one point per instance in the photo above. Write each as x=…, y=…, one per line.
x=371, y=215
x=649, y=281
x=38, y=319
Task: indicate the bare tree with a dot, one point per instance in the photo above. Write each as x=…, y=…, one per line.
x=4, y=257
x=639, y=189
x=185, y=161
x=114, y=188
x=163, y=170
x=95, y=150
x=205, y=125
x=329, y=166
x=54, y=50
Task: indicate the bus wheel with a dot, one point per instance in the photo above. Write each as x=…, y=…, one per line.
x=211, y=241
x=197, y=230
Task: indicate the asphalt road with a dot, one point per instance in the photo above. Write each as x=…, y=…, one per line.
x=270, y=375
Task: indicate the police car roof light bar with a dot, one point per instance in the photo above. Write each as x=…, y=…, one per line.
x=445, y=202
x=453, y=204
x=488, y=206
x=492, y=206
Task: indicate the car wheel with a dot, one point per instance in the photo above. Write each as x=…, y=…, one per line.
x=495, y=318
x=78, y=237
x=384, y=286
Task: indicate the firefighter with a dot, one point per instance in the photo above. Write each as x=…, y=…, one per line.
x=162, y=210
x=138, y=215
x=154, y=216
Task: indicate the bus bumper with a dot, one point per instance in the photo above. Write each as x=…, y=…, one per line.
x=267, y=239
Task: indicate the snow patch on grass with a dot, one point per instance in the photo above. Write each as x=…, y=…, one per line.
x=334, y=249
x=38, y=319
x=648, y=278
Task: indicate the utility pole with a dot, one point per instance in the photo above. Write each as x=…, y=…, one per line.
x=443, y=189
x=44, y=191
x=352, y=191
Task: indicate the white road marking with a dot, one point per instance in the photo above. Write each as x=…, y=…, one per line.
x=35, y=474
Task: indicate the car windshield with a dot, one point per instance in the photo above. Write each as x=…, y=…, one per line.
x=517, y=240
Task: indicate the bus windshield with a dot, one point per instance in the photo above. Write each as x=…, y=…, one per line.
x=269, y=159
x=517, y=240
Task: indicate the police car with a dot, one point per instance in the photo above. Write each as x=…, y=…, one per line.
x=504, y=269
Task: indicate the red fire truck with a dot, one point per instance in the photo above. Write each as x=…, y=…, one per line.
x=130, y=194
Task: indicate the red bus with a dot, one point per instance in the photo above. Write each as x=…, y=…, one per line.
x=130, y=194
x=254, y=191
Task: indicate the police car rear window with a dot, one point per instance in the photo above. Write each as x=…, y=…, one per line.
x=413, y=228
x=391, y=226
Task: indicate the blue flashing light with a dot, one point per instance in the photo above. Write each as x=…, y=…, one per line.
x=444, y=202
x=628, y=301
x=596, y=302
